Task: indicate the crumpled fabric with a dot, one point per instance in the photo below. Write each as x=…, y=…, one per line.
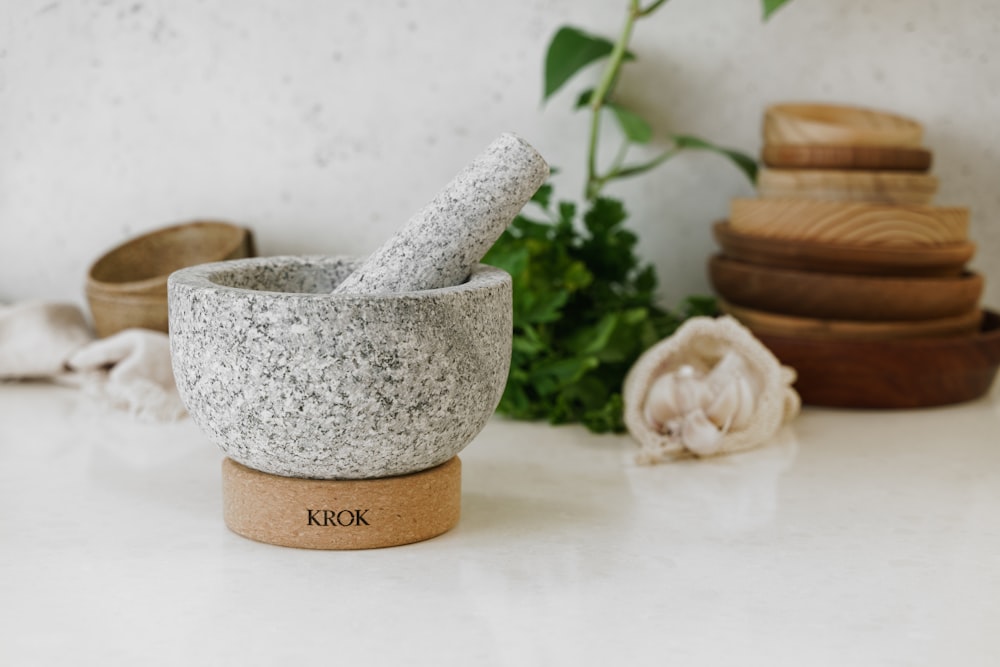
x=129, y=370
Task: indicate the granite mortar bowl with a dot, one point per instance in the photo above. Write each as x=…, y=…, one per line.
x=291, y=380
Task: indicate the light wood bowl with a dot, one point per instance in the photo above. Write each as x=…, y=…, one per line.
x=847, y=185
x=843, y=297
x=939, y=260
x=853, y=223
x=818, y=156
x=834, y=124
x=894, y=374
x=127, y=286
x=763, y=322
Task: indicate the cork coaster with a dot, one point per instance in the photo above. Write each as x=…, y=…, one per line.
x=341, y=514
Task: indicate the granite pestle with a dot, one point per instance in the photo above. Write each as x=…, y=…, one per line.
x=439, y=246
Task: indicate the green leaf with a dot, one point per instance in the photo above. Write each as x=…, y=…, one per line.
x=635, y=128
x=746, y=163
x=699, y=305
x=570, y=51
x=583, y=313
x=543, y=195
x=591, y=340
x=546, y=307
x=567, y=212
x=508, y=255
x=584, y=99
x=604, y=215
x=771, y=6
x=552, y=376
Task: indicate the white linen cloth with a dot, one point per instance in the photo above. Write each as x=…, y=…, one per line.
x=129, y=370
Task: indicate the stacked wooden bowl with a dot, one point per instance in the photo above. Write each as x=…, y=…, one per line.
x=848, y=272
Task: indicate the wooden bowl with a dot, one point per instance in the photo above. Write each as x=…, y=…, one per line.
x=894, y=374
x=762, y=322
x=834, y=124
x=940, y=260
x=837, y=296
x=818, y=156
x=127, y=286
x=884, y=187
x=855, y=223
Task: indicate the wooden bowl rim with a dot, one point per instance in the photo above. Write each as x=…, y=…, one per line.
x=157, y=284
x=987, y=337
x=968, y=275
x=894, y=159
x=916, y=181
x=815, y=328
x=945, y=254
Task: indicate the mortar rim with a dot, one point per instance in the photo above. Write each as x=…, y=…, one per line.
x=200, y=277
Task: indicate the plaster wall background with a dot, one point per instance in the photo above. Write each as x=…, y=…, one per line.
x=324, y=125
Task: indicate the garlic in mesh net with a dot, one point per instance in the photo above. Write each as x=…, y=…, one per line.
x=711, y=388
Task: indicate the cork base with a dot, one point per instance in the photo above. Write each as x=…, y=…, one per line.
x=341, y=514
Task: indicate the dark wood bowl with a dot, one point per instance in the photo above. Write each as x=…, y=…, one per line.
x=839, y=296
x=818, y=156
x=760, y=321
x=943, y=260
x=912, y=373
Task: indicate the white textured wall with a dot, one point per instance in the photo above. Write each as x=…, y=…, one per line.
x=324, y=124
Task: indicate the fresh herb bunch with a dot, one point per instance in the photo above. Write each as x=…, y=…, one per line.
x=584, y=304
x=584, y=311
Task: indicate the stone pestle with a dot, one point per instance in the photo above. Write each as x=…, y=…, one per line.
x=440, y=245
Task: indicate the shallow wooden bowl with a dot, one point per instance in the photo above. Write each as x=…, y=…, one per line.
x=127, y=286
x=940, y=260
x=819, y=156
x=893, y=374
x=855, y=223
x=835, y=124
x=884, y=187
x=763, y=322
x=839, y=296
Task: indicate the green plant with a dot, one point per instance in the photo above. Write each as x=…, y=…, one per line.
x=584, y=304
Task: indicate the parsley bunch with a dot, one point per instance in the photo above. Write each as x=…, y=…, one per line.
x=583, y=302
x=583, y=312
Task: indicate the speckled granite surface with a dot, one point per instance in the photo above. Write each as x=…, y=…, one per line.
x=439, y=245
x=291, y=380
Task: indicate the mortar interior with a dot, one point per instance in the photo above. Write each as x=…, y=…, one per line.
x=301, y=276
x=312, y=276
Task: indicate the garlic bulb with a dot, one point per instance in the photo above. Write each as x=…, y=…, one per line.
x=710, y=388
x=699, y=435
x=674, y=395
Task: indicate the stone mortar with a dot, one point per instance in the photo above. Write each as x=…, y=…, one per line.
x=289, y=379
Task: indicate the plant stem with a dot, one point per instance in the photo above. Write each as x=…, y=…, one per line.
x=597, y=99
x=617, y=56
x=646, y=166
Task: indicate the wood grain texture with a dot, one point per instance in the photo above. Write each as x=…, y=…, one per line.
x=834, y=124
x=855, y=223
x=893, y=374
x=939, y=260
x=341, y=514
x=762, y=322
x=886, y=187
x=142, y=264
x=818, y=156
x=127, y=286
x=843, y=297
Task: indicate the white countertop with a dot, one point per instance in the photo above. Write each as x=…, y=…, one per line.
x=859, y=538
